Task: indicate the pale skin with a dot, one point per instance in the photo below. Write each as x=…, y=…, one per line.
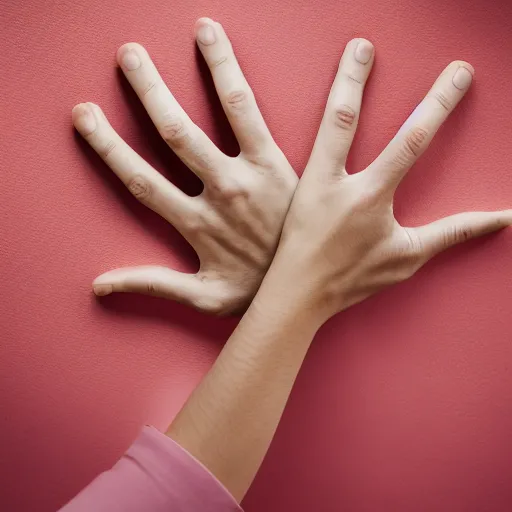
x=235, y=223
x=340, y=244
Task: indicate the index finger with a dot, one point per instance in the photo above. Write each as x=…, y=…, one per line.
x=417, y=132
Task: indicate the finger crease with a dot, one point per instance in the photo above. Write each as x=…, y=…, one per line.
x=442, y=100
x=415, y=140
x=149, y=87
x=109, y=148
x=345, y=116
x=354, y=79
x=217, y=63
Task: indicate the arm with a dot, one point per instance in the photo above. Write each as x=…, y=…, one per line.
x=340, y=244
x=231, y=417
x=234, y=226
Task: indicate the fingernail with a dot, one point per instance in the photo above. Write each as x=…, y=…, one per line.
x=131, y=60
x=206, y=35
x=363, y=52
x=462, y=78
x=84, y=119
x=102, y=289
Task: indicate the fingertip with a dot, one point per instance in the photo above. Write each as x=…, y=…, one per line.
x=83, y=118
x=205, y=31
x=102, y=285
x=362, y=40
x=462, y=74
x=105, y=278
x=363, y=50
x=121, y=51
x=127, y=55
x=131, y=45
x=507, y=217
x=78, y=110
x=463, y=64
x=100, y=290
x=203, y=21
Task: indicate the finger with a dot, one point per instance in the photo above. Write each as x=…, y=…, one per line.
x=185, y=138
x=341, y=115
x=142, y=180
x=235, y=95
x=151, y=280
x=415, y=135
x=442, y=234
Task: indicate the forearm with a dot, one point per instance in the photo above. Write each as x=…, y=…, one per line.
x=230, y=419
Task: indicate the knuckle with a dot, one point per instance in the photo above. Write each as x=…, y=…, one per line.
x=262, y=163
x=152, y=288
x=344, y=117
x=230, y=190
x=447, y=237
x=218, y=296
x=219, y=305
x=173, y=130
x=412, y=146
x=140, y=188
x=412, y=255
x=414, y=141
x=237, y=100
x=408, y=270
x=194, y=224
x=403, y=265
x=414, y=242
x=456, y=234
x=463, y=233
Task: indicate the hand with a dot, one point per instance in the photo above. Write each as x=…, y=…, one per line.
x=340, y=232
x=235, y=223
x=340, y=244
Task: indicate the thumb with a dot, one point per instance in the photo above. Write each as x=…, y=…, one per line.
x=442, y=234
x=152, y=280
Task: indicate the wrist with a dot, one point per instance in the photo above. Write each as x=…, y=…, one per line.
x=287, y=291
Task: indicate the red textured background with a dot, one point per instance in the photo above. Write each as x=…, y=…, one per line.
x=404, y=402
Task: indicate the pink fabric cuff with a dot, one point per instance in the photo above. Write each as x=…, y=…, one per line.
x=155, y=475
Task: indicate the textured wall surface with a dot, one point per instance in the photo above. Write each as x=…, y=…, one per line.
x=404, y=402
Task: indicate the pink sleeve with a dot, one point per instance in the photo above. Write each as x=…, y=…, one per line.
x=154, y=475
